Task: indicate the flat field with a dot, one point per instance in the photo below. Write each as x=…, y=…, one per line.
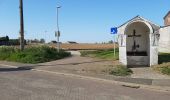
x=85, y=46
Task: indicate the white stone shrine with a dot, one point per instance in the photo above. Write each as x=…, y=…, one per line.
x=138, y=41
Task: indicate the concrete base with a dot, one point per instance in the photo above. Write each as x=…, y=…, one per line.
x=138, y=60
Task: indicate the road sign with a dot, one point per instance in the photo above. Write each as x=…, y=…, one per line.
x=57, y=34
x=114, y=30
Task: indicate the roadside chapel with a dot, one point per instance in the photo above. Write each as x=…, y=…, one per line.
x=138, y=41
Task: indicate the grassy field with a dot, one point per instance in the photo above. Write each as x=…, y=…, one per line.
x=102, y=54
x=32, y=54
x=85, y=46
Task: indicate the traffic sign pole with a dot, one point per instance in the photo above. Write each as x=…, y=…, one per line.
x=114, y=32
x=114, y=47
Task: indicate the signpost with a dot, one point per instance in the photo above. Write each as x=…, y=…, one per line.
x=114, y=32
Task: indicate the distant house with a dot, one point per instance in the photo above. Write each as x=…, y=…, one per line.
x=167, y=19
x=164, y=42
x=72, y=42
x=54, y=42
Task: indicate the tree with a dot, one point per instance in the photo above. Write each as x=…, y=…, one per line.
x=7, y=38
x=110, y=42
x=42, y=40
x=4, y=38
x=36, y=41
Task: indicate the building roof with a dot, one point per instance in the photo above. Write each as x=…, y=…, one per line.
x=154, y=26
x=129, y=20
x=167, y=14
x=72, y=42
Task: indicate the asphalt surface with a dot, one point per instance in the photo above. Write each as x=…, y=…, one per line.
x=25, y=84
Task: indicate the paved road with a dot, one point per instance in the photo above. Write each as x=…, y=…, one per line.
x=32, y=85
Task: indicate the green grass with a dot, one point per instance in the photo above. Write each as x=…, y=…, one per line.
x=102, y=54
x=120, y=71
x=163, y=68
x=31, y=55
x=164, y=63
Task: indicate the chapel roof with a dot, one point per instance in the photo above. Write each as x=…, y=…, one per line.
x=154, y=26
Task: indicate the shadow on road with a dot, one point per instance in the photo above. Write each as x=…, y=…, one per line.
x=138, y=66
x=25, y=68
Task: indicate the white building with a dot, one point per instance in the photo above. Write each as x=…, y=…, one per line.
x=140, y=40
x=164, y=42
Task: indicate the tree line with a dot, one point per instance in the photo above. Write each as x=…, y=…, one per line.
x=7, y=41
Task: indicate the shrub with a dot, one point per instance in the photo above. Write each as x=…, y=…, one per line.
x=32, y=54
x=120, y=71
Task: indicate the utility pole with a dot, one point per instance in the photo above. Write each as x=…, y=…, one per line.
x=21, y=26
x=58, y=32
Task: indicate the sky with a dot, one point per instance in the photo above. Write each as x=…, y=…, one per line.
x=84, y=21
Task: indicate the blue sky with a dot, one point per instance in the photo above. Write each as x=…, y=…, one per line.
x=83, y=21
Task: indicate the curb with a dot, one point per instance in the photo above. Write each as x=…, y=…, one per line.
x=125, y=84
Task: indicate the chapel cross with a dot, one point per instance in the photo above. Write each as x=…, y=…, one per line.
x=135, y=46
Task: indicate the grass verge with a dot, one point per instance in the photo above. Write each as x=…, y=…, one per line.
x=164, y=64
x=31, y=55
x=163, y=68
x=120, y=71
x=102, y=54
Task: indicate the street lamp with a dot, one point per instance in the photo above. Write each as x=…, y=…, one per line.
x=58, y=30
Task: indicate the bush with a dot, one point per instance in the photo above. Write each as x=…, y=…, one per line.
x=32, y=54
x=15, y=41
x=4, y=38
x=120, y=71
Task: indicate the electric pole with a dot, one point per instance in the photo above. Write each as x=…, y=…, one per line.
x=21, y=26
